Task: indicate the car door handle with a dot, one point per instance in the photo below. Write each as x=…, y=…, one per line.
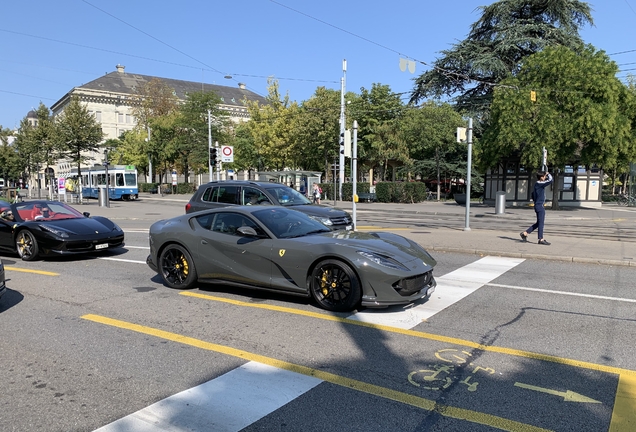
x=204, y=242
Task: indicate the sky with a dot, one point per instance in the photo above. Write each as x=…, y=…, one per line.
x=49, y=47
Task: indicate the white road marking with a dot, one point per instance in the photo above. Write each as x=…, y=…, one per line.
x=451, y=288
x=230, y=402
x=122, y=260
x=619, y=299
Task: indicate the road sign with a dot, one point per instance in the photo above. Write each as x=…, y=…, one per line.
x=227, y=154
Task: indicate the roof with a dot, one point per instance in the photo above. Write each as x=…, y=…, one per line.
x=123, y=83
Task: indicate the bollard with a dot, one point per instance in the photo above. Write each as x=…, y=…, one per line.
x=103, y=197
x=500, y=203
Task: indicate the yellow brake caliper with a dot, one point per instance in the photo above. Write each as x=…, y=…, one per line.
x=324, y=283
x=184, y=264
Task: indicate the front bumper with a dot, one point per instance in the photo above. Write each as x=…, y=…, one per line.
x=151, y=264
x=424, y=293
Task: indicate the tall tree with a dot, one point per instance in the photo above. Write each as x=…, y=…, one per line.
x=153, y=100
x=79, y=134
x=579, y=112
x=430, y=132
x=507, y=32
x=270, y=127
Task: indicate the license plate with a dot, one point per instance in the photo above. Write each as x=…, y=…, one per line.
x=430, y=291
x=348, y=228
x=101, y=246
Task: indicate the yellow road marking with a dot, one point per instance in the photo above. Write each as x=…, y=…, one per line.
x=405, y=398
x=422, y=335
x=23, y=270
x=624, y=405
x=568, y=395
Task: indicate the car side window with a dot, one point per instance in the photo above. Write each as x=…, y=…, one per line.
x=221, y=194
x=253, y=196
x=228, y=223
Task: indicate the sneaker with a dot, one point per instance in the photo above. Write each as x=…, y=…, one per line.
x=544, y=242
x=524, y=237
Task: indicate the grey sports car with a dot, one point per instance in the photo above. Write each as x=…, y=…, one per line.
x=284, y=250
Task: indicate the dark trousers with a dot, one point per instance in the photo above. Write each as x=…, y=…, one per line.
x=540, y=212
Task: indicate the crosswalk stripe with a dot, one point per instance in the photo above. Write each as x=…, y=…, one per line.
x=230, y=402
x=451, y=288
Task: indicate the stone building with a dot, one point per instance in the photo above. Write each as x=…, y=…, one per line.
x=110, y=98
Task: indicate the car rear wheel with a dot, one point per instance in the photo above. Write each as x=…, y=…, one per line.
x=26, y=245
x=176, y=267
x=335, y=286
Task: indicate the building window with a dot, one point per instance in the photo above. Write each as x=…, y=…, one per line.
x=128, y=119
x=98, y=116
x=120, y=117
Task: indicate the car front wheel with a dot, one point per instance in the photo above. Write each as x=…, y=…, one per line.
x=177, y=267
x=26, y=245
x=335, y=286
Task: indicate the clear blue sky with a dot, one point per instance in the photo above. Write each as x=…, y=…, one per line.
x=49, y=47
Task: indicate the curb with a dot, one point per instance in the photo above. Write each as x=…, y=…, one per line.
x=579, y=260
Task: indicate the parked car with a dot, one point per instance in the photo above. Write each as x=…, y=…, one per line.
x=237, y=192
x=37, y=228
x=279, y=249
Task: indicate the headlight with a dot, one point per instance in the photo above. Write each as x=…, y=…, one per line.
x=383, y=260
x=116, y=227
x=322, y=220
x=57, y=232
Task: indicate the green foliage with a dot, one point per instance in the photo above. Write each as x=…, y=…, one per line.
x=579, y=113
x=148, y=187
x=78, y=133
x=400, y=192
x=507, y=32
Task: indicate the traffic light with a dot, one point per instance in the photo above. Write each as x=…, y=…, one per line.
x=213, y=157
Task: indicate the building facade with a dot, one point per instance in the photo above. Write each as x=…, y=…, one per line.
x=110, y=99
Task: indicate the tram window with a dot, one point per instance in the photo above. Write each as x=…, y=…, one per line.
x=130, y=179
x=119, y=179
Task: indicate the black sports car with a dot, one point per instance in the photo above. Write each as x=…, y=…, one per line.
x=280, y=249
x=36, y=228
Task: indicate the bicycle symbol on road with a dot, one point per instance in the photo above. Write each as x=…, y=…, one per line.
x=442, y=376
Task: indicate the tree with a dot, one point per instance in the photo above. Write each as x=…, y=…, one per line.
x=579, y=114
x=79, y=134
x=507, y=32
x=378, y=112
x=430, y=132
x=153, y=100
x=270, y=127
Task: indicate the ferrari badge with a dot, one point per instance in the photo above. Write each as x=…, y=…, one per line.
x=281, y=252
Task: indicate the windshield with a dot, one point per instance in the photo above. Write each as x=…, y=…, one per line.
x=284, y=223
x=287, y=196
x=44, y=211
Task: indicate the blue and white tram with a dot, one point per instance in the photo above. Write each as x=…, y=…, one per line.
x=122, y=182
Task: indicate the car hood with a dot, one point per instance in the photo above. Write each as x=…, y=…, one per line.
x=81, y=226
x=316, y=210
x=384, y=243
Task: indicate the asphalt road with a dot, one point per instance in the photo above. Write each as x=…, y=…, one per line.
x=540, y=345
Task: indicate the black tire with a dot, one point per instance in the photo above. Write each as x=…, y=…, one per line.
x=335, y=286
x=176, y=267
x=26, y=245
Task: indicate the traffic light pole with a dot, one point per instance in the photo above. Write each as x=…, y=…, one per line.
x=210, y=144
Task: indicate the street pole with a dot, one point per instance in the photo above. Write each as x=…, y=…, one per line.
x=218, y=161
x=468, y=174
x=354, y=170
x=149, y=159
x=209, y=143
x=342, y=130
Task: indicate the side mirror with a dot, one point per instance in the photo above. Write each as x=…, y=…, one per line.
x=247, y=231
x=87, y=214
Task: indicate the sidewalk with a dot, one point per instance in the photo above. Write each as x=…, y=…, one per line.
x=582, y=249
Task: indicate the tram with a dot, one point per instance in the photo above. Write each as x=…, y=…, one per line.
x=122, y=182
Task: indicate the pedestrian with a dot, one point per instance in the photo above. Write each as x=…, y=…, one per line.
x=538, y=196
x=316, y=193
